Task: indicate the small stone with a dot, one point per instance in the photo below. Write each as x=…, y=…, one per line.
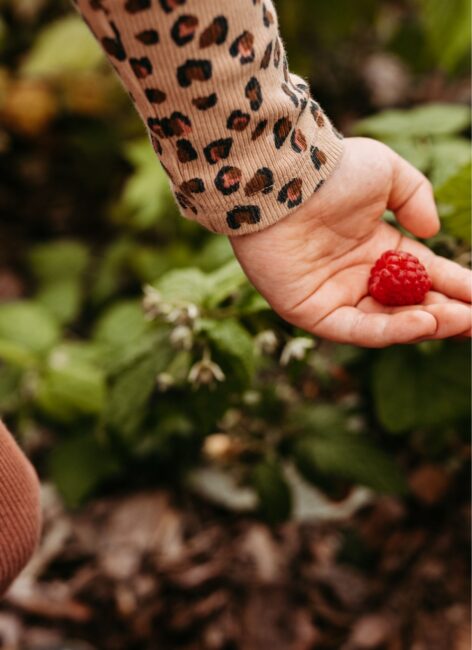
x=429, y=484
x=371, y=631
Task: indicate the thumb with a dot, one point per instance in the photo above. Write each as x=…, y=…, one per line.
x=412, y=200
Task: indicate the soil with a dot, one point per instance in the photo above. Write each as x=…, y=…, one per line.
x=154, y=570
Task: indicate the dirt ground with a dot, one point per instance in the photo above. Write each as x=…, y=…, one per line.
x=157, y=571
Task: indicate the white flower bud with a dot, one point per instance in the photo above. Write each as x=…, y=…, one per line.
x=164, y=381
x=183, y=314
x=192, y=312
x=58, y=359
x=251, y=397
x=205, y=372
x=152, y=297
x=153, y=304
x=296, y=349
x=266, y=342
x=181, y=337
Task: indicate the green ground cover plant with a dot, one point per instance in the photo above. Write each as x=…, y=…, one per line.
x=135, y=340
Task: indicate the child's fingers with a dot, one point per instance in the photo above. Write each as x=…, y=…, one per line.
x=449, y=278
x=378, y=330
x=372, y=306
x=453, y=317
x=412, y=200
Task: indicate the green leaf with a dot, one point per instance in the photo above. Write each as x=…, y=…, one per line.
x=179, y=366
x=10, y=388
x=275, y=498
x=146, y=196
x=70, y=386
x=417, y=153
x=140, y=153
x=62, y=299
x=191, y=285
x=451, y=18
x=132, y=389
x=59, y=267
x=319, y=418
x=216, y=252
x=249, y=301
x=348, y=457
x=78, y=465
x=17, y=355
x=121, y=324
x=448, y=155
x=224, y=282
x=64, y=46
x=86, y=352
x=149, y=263
x=183, y=286
x=112, y=272
x=232, y=340
x=427, y=120
x=454, y=203
x=129, y=396
x=28, y=325
x=345, y=354
x=117, y=359
x=412, y=389
x=58, y=261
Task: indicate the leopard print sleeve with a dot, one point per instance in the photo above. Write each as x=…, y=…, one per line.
x=238, y=135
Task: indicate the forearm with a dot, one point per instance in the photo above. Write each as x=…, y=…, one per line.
x=19, y=509
x=240, y=138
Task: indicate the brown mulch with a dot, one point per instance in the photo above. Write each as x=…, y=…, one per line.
x=150, y=572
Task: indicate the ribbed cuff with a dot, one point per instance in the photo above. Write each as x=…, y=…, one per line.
x=298, y=178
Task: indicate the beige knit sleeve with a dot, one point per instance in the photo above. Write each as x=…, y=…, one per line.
x=239, y=136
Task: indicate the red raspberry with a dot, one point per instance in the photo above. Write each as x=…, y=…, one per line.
x=398, y=278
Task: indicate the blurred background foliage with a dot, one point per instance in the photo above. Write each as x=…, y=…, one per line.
x=132, y=349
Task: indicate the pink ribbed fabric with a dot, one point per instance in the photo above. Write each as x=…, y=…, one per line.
x=20, y=519
x=239, y=136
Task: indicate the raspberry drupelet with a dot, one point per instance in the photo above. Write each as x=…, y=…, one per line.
x=398, y=278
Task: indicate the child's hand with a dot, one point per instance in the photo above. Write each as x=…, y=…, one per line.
x=313, y=266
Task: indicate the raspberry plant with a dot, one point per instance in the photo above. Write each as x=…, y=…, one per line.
x=137, y=348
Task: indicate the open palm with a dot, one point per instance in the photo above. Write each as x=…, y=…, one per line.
x=313, y=266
